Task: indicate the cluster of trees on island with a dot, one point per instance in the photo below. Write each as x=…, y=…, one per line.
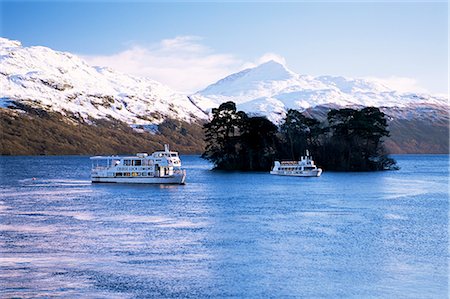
x=348, y=140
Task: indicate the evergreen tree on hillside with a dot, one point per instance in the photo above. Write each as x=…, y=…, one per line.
x=222, y=136
x=259, y=142
x=355, y=142
x=235, y=141
x=301, y=133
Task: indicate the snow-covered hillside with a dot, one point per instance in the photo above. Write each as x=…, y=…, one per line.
x=270, y=89
x=43, y=78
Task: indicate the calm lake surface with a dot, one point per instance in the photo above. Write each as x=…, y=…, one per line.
x=381, y=234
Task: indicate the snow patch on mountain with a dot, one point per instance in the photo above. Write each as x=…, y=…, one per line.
x=58, y=81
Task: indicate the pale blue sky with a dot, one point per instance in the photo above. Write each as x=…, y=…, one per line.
x=380, y=39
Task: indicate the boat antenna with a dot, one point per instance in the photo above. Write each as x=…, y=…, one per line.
x=166, y=147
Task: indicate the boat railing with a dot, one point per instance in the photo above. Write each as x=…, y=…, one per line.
x=100, y=168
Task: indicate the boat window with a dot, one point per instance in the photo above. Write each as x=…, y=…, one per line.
x=137, y=162
x=173, y=155
x=118, y=174
x=127, y=174
x=127, y=162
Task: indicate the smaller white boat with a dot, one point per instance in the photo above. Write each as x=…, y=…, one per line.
x=303, y=168
x=162, y=167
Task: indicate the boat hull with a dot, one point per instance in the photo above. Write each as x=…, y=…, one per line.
x=313, y=173
x=179, y=179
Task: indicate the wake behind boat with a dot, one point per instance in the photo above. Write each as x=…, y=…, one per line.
x=162, y=167
x=303, y=168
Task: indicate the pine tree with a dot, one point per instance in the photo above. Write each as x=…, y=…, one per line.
x=356, y=140
x=259, y=143
x=301, y=133
x=222, y=136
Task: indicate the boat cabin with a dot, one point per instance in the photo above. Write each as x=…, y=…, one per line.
x=159, y=164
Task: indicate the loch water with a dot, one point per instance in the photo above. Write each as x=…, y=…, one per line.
x=245, y=235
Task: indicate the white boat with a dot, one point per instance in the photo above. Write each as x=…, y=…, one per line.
x=303, y=168
x=162, y=167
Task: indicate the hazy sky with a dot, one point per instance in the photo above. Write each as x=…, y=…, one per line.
x=189, y=45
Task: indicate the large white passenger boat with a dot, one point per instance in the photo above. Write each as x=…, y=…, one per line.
x=304, y=168
x=163, y=167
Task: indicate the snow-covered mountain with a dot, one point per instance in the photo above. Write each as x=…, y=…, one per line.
x=44, y=79
x=271, y=88
x=58, y=81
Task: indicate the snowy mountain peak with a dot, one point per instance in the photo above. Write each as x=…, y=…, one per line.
x=265, y=72
x=251, y=83
x=271, y=71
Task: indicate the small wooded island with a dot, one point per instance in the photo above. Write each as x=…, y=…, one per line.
x=347, y=140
